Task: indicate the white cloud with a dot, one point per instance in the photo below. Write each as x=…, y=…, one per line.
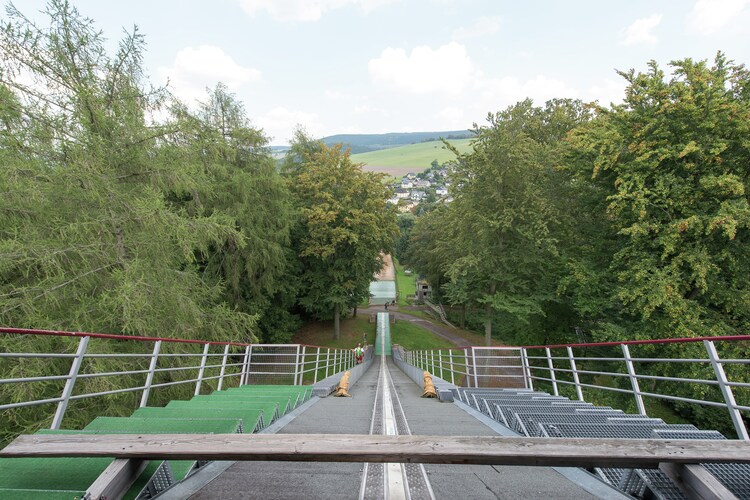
x=446, y=69
x=485, y=25
x=304, y=11
x=641, y=31
x=710, y=16
x=498, y=93
x=452, y=117
x=607, y=92
x=280, y=122
x=194, y=69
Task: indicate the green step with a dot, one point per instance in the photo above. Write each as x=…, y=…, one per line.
x=252, y=420
x=306, y=391
x=145, y=425
x=270, y=410
x=284, y=403
x=51, y=474
x=21, y=494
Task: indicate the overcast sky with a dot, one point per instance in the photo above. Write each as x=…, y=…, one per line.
x=374, y=66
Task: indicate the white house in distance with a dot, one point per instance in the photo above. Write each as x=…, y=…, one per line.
x=406, y=183
x=402, y=193
x=441, y=191
x=417, y=195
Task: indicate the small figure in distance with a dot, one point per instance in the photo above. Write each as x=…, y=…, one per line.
x=386, y=306
x=359, y=353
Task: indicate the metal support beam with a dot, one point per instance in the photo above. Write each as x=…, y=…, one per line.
x=150, y=376
x=633, y=379
x=577, y=382
x=552, y=371
x=68, y=389
x=223, y=367
x=726, y=390
x=204, y=359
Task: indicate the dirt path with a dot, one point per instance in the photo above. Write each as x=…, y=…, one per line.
x=388, y=273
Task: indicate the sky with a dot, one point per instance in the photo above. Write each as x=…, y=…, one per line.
x=377, y=66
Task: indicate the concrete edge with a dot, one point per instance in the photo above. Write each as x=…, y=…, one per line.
x=326, y=386
x=201, y=477
x=581, y=477
x=442, y=387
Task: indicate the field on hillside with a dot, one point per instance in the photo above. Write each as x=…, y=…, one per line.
x=412, y=158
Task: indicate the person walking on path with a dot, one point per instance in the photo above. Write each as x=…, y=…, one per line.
x=359, y=353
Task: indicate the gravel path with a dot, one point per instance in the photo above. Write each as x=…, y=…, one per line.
x=388, y=273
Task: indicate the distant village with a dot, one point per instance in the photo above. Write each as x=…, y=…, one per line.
x=430, y=186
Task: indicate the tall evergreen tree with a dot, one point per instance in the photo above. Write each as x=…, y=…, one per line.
x=90, y=238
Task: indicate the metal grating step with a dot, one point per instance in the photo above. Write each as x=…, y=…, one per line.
x=607, y=431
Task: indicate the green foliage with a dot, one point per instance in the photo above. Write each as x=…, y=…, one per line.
x=671, y=163
x=344, y=226
x=89, y=237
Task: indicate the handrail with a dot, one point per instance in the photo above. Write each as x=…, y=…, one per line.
x=536, y=365
x=200, y=361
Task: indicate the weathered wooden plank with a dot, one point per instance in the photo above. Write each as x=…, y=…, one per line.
x=116, y=479
x=696, y=482
x=496, y=450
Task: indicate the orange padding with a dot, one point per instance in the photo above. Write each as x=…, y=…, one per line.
x=343, y=388
x=429, y=387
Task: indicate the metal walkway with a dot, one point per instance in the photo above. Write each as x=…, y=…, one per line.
x=303, y=480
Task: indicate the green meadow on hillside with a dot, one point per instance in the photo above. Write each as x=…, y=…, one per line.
x=412, y=158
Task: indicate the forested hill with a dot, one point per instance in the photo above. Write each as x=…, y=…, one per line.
x=362, y=143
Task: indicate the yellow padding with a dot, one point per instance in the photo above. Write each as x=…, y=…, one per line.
x=429, y=387
x=343, y=388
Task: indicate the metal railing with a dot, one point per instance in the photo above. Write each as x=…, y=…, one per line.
x=90, y=365
x=711, y=372
x=473, y=366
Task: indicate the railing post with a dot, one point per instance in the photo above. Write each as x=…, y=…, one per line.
x=551, y=371
x=246, y=365
x=296, y=366
x=204, y=358
x=317, y=362
x=441, y=365
x=633, y=379
x=450, y=361
x=328, y=359
x=726, y=390
x=529, y=384
x=466, y=367
x=577, y=382
x=474, y=363
x=68, y=389
x=150, y=376
x=432, y=361
x=223, y=367
x=302, y=365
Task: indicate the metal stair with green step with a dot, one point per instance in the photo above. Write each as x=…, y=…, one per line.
x=243, y=409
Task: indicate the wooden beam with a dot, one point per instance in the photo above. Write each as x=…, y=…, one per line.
x=696, y=482
x=117, y=479
x=495, y=450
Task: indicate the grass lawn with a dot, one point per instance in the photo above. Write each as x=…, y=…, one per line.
x=411, y=158
x=410, y=336
x=320, y=333
x=406, y=285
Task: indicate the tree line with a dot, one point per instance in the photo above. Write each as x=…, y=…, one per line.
x=627, y=222
x=125, y=210
x=575, y=222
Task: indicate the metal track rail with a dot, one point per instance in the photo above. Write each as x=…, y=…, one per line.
x=393, y=481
